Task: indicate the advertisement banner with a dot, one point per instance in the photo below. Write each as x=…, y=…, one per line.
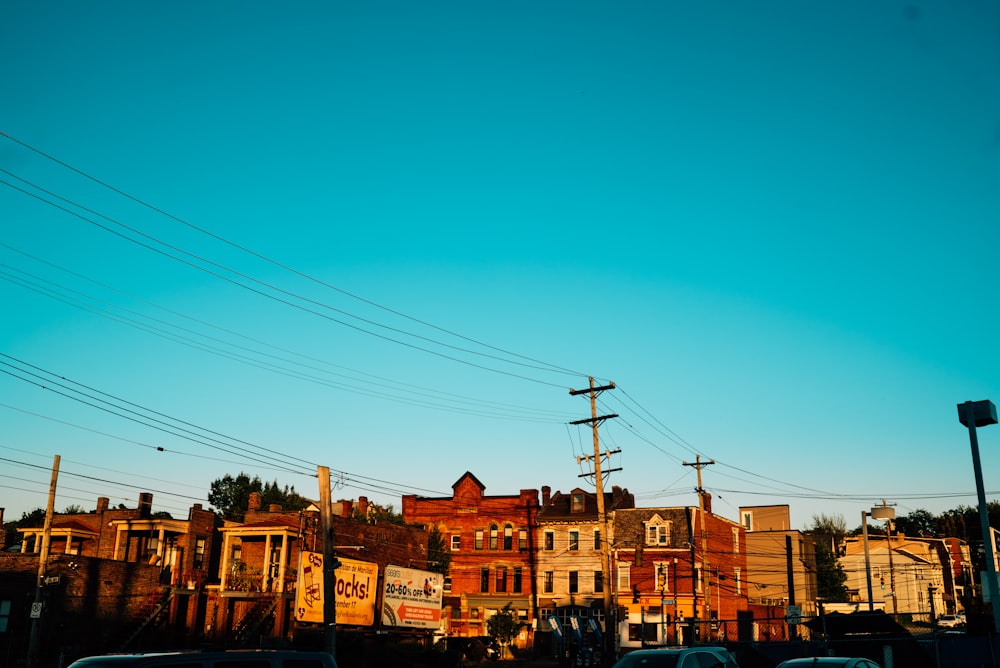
x=411, y=597
x=355, y=591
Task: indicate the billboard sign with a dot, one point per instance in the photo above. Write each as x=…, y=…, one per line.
x=411, y=598
x=354, y=594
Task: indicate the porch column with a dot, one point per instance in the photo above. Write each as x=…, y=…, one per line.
x=224, y=567
x=118, y=541
x=284, y=560
x=69, y=541
x=267, y=564
x=159, y=547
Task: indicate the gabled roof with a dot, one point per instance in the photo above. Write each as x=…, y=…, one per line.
x=560, y=506
x=468, y=475
x=278, y=523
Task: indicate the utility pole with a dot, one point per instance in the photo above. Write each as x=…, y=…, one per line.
x=699, y=465
x=594, y=420
x=35, y=635
x=329, y=563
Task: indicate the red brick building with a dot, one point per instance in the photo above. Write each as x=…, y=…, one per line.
x=116, y=578
x=253, y=596
x=674, y=566
x=491, y=539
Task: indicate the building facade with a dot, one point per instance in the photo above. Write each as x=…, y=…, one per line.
x=491, y=543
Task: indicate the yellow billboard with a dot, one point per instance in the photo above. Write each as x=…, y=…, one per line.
x=355, y=592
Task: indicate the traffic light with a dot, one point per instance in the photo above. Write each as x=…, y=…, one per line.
x=881, y=581
x=635, y=593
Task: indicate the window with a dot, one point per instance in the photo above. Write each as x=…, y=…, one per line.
x=550, y=540
x=4, y=615
x=576, y=503
x=237, y=552
x=739, y=582
x=508, y=537
x=736, y=541
x=479, y=539
x=517, y=580
x=456, y=542
x=748, y=520
x=199, y=553
x=484, y=580
x=501, y=583
x=547, y=582
x=574, y=582
x=152, y=543
x=698, y=576
x=657, y=533
x=597, y=539
x=623, y=578
x=522, y=539
x=598, y=582
x=446, y=585
x=494, y=533
x=574, y=540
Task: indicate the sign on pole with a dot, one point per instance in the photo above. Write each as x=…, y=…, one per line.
x=411, y=598
x=355, y=590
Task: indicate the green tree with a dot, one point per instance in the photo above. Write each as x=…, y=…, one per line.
x=376, y=514
x=74, y=509
x=230, y=496
x=504, y=626
x=830, y=576
x=918, y=523
x=438, y=552
x=827, y=532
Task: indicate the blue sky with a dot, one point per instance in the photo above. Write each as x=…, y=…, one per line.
x=772, y=225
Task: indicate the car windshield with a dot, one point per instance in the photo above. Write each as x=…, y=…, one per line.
x=652, y=660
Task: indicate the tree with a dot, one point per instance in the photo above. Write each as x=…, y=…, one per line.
x=827, y=532
x=438, y=552
x=74, y=509
x=918, y=523
x=830, y=576
x=231, y=496
x=504, y=626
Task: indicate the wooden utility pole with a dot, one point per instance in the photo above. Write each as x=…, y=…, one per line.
x=35, y=635
x=699, y=465
x=329, y=563
x=602, y=517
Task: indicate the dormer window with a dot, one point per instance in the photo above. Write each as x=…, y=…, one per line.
x=657, y=532
x=576, y=502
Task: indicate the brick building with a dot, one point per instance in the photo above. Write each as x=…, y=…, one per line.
x=491, y=539
x=253, y=596
x=570, y=575
x=676, y=565
x=115, y=579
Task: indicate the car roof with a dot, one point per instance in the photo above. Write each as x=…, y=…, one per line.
x=136, y=659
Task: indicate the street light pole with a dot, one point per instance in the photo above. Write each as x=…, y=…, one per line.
x=974, y=414
x=868, y=560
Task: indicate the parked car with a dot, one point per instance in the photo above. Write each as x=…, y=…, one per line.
x=482, y=647
x=950, y=621
x=829, y=662
x=221, y=659
x=702, y=656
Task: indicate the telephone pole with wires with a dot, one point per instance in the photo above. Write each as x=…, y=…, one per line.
x=595, y=420
x=699, y=465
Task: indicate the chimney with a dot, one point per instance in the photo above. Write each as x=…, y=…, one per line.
x=363, y=505
x=546, y=493
x=1, y=516
x=102, y=504
x=254, y=502
x=274, y=508
x=196, y=506
x=706, y=500
x=145, y=504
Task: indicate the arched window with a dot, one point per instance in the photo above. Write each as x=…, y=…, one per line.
x=508, y=537
x=493, y=536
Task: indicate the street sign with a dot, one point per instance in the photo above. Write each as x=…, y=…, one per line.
x=793, y=613
x=669, y=601
x=36, y=610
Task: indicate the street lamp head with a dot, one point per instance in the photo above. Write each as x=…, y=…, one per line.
x=978, y=413
x=882, y=513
